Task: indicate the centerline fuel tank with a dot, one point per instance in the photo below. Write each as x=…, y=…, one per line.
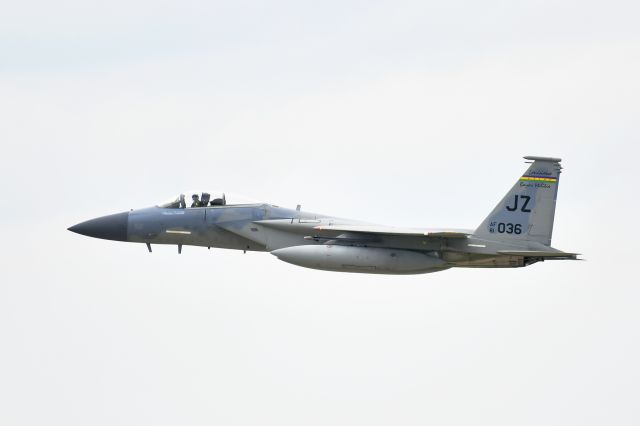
x=369, y=260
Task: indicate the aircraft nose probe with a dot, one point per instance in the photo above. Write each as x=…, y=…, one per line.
x=111, y=227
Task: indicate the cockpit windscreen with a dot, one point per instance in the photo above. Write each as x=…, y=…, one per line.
x=193, y=199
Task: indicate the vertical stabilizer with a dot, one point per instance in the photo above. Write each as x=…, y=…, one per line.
x=526, y=213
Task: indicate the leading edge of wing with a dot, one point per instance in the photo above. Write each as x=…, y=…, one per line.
x=389, y=230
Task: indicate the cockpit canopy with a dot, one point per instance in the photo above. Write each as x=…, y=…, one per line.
x=193, y=199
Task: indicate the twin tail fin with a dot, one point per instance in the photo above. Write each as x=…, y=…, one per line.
x=526, y=212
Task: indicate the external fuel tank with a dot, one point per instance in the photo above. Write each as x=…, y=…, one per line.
x=369, y=260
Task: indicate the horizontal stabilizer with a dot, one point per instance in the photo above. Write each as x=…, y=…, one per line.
x=543, y=254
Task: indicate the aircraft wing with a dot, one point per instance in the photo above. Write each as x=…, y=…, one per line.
x=335, y=230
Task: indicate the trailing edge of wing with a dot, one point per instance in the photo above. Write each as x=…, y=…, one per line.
x=388, y=230
x=448, y=234
x=344, y=238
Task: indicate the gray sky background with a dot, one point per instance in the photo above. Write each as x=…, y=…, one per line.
x=400, y=113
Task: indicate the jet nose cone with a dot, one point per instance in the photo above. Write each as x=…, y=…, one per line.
x=111, y=227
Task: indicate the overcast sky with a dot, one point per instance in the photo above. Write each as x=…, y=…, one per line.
x=399, y=113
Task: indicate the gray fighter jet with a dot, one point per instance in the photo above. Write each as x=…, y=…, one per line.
x=516, y=233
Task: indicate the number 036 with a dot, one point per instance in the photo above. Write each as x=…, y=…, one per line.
x=509, y=228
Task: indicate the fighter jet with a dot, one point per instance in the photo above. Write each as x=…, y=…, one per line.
x=516, y=233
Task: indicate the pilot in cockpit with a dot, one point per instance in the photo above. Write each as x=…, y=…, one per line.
x=196, y=200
